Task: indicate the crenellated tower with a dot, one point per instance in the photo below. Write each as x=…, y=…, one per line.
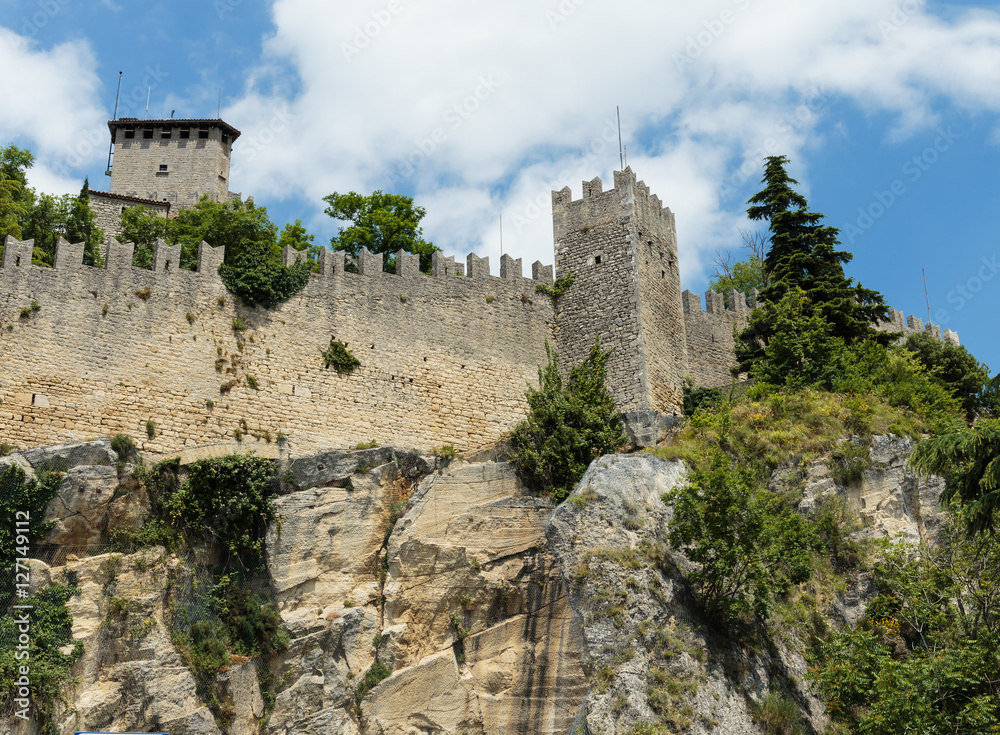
x=621, y=245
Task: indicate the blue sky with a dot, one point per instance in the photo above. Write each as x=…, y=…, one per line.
x=887, y=109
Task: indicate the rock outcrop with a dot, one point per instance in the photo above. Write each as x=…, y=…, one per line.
x=487, y=609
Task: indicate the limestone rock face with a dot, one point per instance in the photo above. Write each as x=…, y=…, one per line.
x=647, y=652
x=63, y=457
x=477, y=613
x=86, y=505
x=891, y=500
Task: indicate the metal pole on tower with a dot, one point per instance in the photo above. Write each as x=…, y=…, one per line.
x=621, y=155
x=111, y=146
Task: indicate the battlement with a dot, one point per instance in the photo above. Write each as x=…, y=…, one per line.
x=629, y=198
x=907, y=325
x=166, y=259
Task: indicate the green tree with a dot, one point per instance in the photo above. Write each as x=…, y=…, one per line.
x=299, y=238
x=256, y=276
x=954, y=366
x=749, y=546
x=81, y=226
x=44, y=223
x=969, y=461
x=568, y=426
x=235, y=225
x=925, y=657
x=745, y=274
x=802, y=349
x=15, y=196
x=803, y=254
x=382, y=223
x=143, y=227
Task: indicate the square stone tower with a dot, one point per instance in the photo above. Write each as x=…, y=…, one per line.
x=622, y=247
x=171, y=160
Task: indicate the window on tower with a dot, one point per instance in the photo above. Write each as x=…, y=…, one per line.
x=147, y=133
x=185, y=132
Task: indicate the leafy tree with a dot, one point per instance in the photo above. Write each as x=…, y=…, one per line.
x=81, y=226
x=802, y=349
x=969, y=460
x=925, y=657
x=297, y=236
x=803, y=255
x=229, y=500
x=954, y=366
x=751, y=548
x=745, y=274
x=235, y=225
x=382, y=223
x=15, y=196
x=257, y=277
x=567, y=426
x=44, y=223
x=143, y=227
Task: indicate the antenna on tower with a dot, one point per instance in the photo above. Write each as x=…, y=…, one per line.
x=501, y=234
x=149, y=91
x=218, y=115
x=928, y=298
x=111, y=146
x=621, y=155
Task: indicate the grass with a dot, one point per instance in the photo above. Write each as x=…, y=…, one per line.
x=240, y=324
x=785, y=427
x=144, y=293
x=778, y=715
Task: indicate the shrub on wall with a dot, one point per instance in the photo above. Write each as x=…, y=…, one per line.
x=339, y=357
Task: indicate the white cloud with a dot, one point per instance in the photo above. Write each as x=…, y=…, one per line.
x=481, y=109
x=49, y=107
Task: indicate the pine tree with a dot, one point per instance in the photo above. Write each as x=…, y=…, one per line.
x=803, y=255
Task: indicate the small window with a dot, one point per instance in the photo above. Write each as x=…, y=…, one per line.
x=165, y=133
x=129, y=133
x=147, y=133
x=663, y=274
x=597, y=260
x=185, y=132
x=225, y=139
x=163, y=168
x=203, y=132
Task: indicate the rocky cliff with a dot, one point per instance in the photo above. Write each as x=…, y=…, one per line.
x=491, y=610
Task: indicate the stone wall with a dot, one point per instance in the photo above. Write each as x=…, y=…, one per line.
x=912, y=325
x=108, y=209
x=444, y=360
x=709, y=333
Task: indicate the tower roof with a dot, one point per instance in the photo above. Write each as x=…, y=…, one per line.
x=124, y=122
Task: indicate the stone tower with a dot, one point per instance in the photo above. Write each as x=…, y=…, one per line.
x=622, y=247
x=171, y=160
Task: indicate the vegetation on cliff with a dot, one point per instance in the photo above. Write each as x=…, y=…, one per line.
x=568, y=425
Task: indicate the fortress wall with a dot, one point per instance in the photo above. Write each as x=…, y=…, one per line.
x=907, y=325
x=445, y=360
x=709, y=333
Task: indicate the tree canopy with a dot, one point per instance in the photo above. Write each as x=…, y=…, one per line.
x=382, y=223
x=803, y=255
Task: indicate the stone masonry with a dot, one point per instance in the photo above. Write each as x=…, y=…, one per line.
x=173, y=160
x=168, y=357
